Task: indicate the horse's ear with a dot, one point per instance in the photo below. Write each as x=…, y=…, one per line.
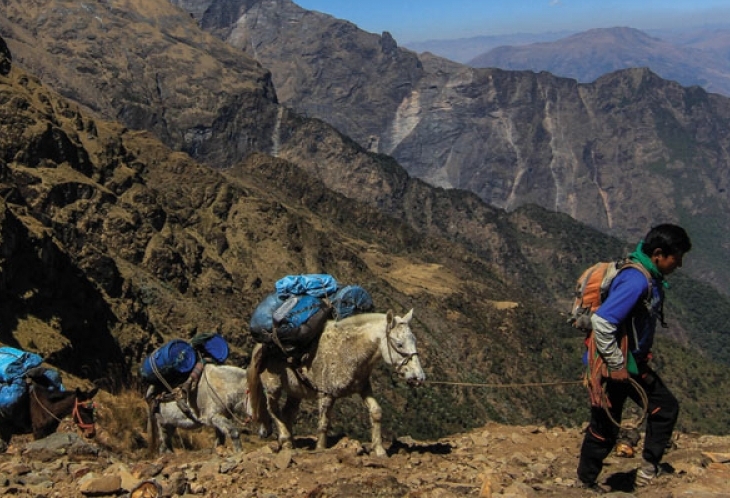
x=389, y=318
x=84, y=395
x=408, y=317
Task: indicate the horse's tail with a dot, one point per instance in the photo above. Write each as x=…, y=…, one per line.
x=259, y=411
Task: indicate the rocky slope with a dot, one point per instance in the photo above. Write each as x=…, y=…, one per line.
x=489, y=462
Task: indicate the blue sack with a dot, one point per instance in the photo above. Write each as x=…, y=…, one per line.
x=212, y=345
x=173, y=361
x=13, y=396
x=350, y=300
x=300, y=320
x=314, y=284
x=15, y=362
x=262, y=322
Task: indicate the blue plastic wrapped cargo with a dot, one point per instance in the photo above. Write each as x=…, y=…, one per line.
x=173, y=361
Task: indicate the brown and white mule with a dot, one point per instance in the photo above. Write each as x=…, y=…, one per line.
x=41, y=410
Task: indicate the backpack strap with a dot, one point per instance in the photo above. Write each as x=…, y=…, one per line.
x=627, y=263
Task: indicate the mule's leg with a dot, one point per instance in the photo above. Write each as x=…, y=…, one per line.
x=289, y=413
x=283, y=432
x=376, y=418
x=325, y=413
x=225, y=427
x=166, y=432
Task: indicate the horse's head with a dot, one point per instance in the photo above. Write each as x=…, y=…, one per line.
x=402, y=353
x=84, y=412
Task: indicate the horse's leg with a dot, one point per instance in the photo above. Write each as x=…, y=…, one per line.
x=5, y=434
x=376, y=417
x=326, y=403
x=289, y=413
x=225, y=427
x=284, y=434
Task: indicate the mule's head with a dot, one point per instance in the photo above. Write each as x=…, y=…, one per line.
x=402, y=352
x=84, y=412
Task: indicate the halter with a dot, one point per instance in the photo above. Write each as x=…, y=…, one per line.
x=407, y=357
x=88, y=428
x=75, y=414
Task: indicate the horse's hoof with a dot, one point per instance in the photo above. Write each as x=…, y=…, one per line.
x=380, y=452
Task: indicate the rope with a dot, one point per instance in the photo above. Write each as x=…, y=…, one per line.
x=623, y=425
x=159, y=375
x=644, y=408
x=527, y=384
x=220, y=401
x=49, y=412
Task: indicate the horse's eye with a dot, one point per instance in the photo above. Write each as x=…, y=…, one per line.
x=399, y=344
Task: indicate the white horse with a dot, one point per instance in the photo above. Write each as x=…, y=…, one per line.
x=220, y=401
x=340, y=366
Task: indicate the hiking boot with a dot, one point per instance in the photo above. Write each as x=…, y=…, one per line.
x=645, y=475
x=593, y=487
x=624, y=450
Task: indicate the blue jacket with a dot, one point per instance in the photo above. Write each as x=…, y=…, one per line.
x=626, y=308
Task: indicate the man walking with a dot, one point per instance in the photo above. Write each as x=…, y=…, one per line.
x=632, y=308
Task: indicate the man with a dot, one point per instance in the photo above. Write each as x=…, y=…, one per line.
x=630, y=310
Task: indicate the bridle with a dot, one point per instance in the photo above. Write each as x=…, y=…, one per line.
x=407, y=357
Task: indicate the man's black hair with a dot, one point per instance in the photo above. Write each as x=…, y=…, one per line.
x=671, y=239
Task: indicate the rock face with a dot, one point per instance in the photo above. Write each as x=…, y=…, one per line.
x=619, y=154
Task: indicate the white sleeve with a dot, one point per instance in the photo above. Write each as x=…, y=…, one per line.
x=606, y=343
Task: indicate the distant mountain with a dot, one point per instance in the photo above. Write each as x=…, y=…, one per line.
x=465, y=49
x=586, y=56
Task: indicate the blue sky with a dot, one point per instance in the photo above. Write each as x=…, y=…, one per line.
x=420, y=20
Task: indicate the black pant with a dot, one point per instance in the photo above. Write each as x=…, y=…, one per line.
x=601, y=434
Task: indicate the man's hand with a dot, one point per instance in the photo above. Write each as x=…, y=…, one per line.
x=621, y=375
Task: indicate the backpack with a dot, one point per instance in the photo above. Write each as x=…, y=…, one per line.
x=591, y=290
x=592, y=287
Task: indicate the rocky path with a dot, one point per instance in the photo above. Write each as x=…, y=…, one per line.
x=494, y=461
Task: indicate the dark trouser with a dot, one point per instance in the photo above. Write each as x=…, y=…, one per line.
x=601, y=434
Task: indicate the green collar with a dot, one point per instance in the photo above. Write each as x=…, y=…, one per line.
x=638, y=256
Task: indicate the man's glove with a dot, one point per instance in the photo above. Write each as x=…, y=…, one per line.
x=621, y=375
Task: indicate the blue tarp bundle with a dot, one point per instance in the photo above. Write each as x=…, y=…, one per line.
x=313, y=284
x=350, y=300
x=14, y=363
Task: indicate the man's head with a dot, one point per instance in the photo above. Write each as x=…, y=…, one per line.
x=666, y=245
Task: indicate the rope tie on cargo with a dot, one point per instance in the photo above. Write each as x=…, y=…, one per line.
x=159, y=376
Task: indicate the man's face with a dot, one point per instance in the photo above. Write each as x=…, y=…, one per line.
x=667, y=264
